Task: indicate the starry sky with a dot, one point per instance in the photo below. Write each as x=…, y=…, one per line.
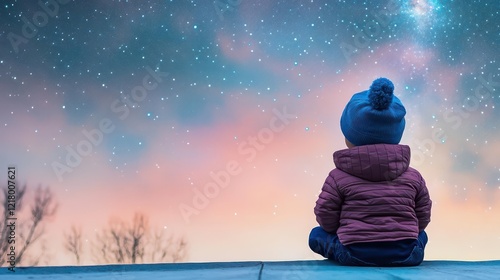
x=218, y=119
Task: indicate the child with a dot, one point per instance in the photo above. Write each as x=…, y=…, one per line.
x=373, y=207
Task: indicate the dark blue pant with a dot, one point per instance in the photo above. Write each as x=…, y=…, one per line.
x=329, y=246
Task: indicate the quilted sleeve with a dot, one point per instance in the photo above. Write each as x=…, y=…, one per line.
x=423, y=205
x=328, y=206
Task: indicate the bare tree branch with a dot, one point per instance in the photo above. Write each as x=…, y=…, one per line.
x=136, y=233
x=27, y=233
x=180, y=250
x=43, y=208
x=160, y=250
x=73, y=243
x=134, y=242
x=100, y=249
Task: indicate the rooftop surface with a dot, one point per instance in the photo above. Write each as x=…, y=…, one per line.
x=295, y=270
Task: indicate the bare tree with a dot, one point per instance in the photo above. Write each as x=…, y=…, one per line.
x=122, y=242
x=136, y=233
x=44, y=207
x=73, y=243
x=164, y=248
x=28, y=232
x=179, y=251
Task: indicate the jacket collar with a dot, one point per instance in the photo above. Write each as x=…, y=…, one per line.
x=378, y=162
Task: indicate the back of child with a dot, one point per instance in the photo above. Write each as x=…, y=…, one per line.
x=373, y=207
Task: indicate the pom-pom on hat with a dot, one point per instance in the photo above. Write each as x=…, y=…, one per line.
x=374, y=116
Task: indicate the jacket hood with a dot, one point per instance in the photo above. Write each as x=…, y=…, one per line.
x=378, y=162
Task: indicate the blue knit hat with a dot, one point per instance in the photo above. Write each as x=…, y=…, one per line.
x=374, y=116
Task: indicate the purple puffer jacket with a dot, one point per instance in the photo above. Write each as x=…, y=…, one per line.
x=373, y=195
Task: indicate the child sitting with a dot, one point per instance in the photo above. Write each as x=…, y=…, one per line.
x=373, y=207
